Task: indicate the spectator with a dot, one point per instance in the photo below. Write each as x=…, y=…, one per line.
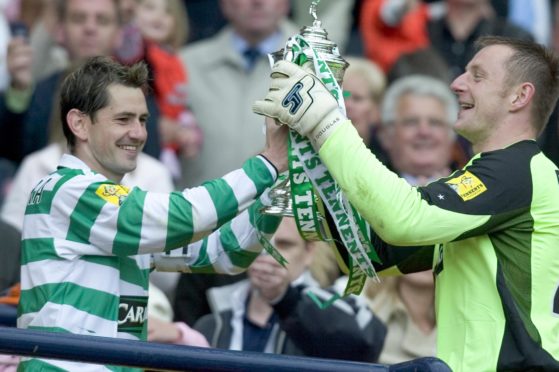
x=272, y=311
x=364, y=84
x=29, y=115
x=9, y=270
x=163, y=25
x=425, y=61
x=417, y=113
x=218, y=69
x=391, y=28
x=408, y=25
x=160, y=327
x=453, y=35
x=223, y=84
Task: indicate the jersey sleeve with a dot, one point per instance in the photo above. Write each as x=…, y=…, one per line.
x=229, y=250
x=478, y=199
x=109, y=219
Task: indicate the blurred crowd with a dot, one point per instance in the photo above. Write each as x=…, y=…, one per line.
x=208, y=62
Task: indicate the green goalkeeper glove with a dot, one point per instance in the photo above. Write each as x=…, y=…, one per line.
x=298, y=99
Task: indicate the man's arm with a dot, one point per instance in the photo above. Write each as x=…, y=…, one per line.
x=15, y=101
x=229, y=250
x=479, y=199
x=109, y=220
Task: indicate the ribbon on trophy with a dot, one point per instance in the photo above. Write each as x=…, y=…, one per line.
x=308, y=176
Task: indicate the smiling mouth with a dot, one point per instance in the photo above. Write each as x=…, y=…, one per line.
x=128, y=147
x=466, y=106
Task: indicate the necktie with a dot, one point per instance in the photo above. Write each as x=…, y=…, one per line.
x=251, y=56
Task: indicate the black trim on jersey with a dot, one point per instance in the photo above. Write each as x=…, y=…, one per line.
x=505, y=167
x=519, y=352
x=408, y=259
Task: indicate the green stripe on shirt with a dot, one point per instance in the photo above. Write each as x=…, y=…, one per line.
x=129, y=224
x=180, y=224
x=89, y=300
x=84, y=214
x=223, y=197
x=259, y=173
x=237, y=255
x=39, y=249
x=202, y=264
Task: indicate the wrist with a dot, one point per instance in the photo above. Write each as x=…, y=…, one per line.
x=274, y=162
x=326, y=127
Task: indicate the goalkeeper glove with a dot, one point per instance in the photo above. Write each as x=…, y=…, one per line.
x=298, y=99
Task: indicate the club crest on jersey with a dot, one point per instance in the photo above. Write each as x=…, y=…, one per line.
x=467, y=186
x=114, y=194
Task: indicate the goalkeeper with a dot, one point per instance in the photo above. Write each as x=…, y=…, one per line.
x=490, y=231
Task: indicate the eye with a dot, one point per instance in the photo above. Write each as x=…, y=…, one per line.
x=122, y=120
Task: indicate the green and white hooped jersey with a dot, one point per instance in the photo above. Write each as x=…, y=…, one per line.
x=490, y=231
x=86, y=245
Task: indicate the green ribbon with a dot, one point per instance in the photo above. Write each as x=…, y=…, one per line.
x=308, y=176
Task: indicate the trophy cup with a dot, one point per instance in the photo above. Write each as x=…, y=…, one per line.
x=327, y=50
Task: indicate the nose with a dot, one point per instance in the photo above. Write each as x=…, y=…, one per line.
x=458, y=84
x=424, y=128
x=90, y=24
x=138, y=131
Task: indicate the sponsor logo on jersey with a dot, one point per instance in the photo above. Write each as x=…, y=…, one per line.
x=114, y=194
x=132, y=314
x=467, y=186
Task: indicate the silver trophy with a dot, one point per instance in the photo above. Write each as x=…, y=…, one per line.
x=317, y=37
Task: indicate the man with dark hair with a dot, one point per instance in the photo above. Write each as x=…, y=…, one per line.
x=490, y=231
x=87, y=239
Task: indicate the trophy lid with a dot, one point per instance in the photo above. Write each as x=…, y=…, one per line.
x=317, y=37
x=326, y=49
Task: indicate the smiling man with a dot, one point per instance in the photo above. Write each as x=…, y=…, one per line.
x=86, y=239
x=417, y=116
x=490, y=231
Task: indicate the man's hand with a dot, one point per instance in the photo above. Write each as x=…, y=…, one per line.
x=19, y=61
x=298, y=99
x=276, y=144
x=160, y=331
x=269, y=278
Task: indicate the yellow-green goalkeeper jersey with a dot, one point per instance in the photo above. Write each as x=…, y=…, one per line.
x=87, y=244
x=491, y=233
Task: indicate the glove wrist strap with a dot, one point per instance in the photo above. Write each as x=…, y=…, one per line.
x=325, y=128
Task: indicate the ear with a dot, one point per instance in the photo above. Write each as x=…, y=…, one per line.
x=77, y=121
x=522, y=96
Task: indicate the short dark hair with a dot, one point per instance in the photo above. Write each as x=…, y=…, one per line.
x=534, y=63
x=85, y=89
